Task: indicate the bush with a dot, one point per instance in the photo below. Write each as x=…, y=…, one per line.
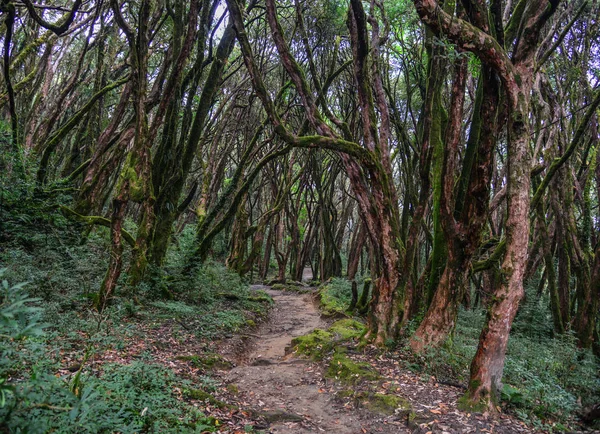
x=335, y=295
x=64, y=271
x=140, y=397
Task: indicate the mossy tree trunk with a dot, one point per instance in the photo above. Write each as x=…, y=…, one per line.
x=359, y=238
x=463, y=203
x=324, y=179
x=516, y=73
x=174, y=157
x=135, y=178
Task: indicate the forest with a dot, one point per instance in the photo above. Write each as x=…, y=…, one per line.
x=296, y=216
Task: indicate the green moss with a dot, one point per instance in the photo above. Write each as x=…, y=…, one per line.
x=345, y=393
x=334, y=297
x=348, y=329
x=137, y=189
x=387, y=404
x=465, y=404
x=261, y=297
x=315, y=344
x=201, y=395
x=346, y=370
x=207, y=361
x=318, y=342
x=233, y=389
x=378, y=402
x=250, y=323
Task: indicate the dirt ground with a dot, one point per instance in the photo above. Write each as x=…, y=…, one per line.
x=288, y=390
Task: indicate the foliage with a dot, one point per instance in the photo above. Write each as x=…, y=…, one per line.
x=125, y=398
x=546, y=377
x=64, y=271
x=335, y=296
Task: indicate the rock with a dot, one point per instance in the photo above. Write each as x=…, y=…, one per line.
x=346, y=370
x=280, y=416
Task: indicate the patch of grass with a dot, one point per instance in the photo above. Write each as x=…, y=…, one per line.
x=207, y=361
x=126, y=398
x=201, y=395
x=315, y=344
x=335, y=296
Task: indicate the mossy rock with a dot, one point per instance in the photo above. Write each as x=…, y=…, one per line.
x=201, y=395
x=348, y=329
x=274, y=416
x=207, y=361
x=319, y=342
x=348, y=371
x=261, y=298
x=386, y=404
x=378, y=402
x=315, y=344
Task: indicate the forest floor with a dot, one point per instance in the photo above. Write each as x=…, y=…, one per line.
x=283, y=393
x=251, y=381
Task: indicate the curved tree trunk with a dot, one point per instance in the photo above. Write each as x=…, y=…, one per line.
x=516, y=73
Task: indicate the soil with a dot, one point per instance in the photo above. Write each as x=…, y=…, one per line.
x=289, y=394
x=287, y=390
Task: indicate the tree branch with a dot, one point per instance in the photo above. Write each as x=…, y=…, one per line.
x=65, y=21
x=558, y=162
x=96, y=220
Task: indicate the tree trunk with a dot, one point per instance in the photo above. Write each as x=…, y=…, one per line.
x=485, y=382
x=470, y=211
x=516, y=73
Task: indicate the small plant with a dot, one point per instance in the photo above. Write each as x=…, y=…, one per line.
x=512, y=395
x=19, y=317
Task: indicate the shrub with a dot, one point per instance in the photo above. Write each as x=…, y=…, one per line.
x=336, y=295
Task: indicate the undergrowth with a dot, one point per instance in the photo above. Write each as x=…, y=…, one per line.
x=336, y=295
x=49, y=332
x=547, y=379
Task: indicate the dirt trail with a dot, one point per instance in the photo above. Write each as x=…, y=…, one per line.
x=285, y=389
x=292, y=397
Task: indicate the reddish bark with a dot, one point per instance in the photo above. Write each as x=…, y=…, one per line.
x=516, y=73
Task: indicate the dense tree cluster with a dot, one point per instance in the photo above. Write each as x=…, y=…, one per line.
x=447, y=149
